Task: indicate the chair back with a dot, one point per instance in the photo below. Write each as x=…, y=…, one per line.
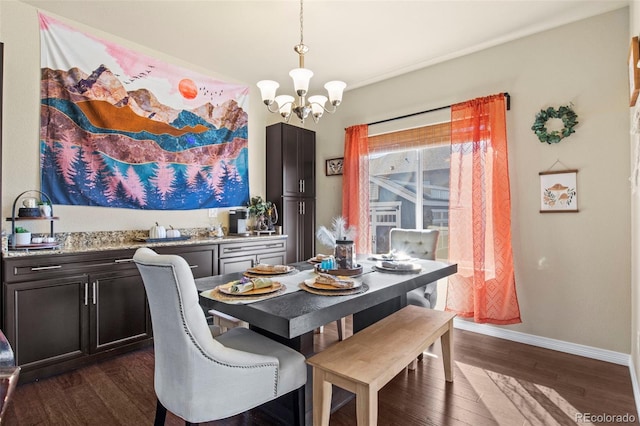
x=420, y=243
x=195, y=375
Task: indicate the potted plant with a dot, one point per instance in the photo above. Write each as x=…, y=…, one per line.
x=263, y=211
x=23, y=236
x=45, y=208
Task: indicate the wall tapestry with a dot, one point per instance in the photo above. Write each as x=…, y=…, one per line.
x=120, y=129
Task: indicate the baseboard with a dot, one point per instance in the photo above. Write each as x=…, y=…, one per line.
x=547, y=343
x=634, y=384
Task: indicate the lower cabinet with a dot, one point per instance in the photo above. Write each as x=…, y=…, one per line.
x=240, y=256
x=60, y=311
x=118, y=310
x=47, y=321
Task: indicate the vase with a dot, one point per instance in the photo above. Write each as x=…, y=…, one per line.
x=23, y=238
x=45, y=210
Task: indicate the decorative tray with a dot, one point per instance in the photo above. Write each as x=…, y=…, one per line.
x=343, y=272
x=35, y=246
x=162, y=240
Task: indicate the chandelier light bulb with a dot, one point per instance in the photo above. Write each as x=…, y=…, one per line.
x=268, y=90
x=285, y=102
x=317, y=105
x=301, y=78
x=335, y=89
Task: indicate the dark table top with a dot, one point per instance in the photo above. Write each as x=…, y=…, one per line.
x=294, y=314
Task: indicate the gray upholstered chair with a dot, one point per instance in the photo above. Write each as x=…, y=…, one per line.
x=201, y=378
x=420, y=243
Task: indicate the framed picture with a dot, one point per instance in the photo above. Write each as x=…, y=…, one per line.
x=558, y=192
x=334, y=166
x=634, y=75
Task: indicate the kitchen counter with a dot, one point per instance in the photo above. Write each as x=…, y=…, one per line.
x=82, y=242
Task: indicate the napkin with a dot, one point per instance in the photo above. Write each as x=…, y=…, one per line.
x=394, y=255
x=402, y=266
x=262, y=267
x=335, y=281
x=244, y=285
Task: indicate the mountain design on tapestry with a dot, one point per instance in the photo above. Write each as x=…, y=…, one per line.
x=102, y=145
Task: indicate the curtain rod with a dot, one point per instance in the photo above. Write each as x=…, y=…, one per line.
x=506, y=95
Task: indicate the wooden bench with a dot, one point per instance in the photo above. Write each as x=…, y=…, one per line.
x=368, y=360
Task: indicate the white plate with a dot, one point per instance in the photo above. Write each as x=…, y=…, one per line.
x=388, y=258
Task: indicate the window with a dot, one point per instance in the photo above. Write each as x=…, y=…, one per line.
x=409, y=181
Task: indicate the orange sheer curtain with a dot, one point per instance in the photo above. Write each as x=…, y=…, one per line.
x=355, y=184
x=480, y=214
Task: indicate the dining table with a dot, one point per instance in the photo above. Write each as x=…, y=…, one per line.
x=292, y=315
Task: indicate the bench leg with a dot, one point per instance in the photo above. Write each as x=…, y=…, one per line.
x=321, y=398
x=447, y=352
x=413, y=365
x=366, y=405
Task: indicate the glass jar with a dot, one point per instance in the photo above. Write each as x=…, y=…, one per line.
x=345, y=254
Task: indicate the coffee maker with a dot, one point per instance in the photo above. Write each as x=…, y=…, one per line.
x=238, y=222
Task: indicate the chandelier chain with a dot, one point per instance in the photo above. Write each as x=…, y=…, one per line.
x=301, y=24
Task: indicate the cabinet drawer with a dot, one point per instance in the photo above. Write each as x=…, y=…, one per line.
x=252, y=247
x=44, y=267
x=200, y=260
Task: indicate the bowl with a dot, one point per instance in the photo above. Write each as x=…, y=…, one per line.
x=37, y=240
x=50, y=240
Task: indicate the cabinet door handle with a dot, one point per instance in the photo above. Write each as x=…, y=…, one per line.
x=304, y=207
x=123, y=260
x=234, y=248
x=46, y=268
x=302, y=190
x=193, y=266
x=94, y=285
x=86, y=294
x=300, y=185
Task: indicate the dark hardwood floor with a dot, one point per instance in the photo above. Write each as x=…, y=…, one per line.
x=496, y=382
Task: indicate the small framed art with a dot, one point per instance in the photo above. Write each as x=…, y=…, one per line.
x=634, y=73
x=334, y=166
x=558, y=191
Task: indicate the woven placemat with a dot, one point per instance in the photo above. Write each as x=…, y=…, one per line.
x=345, y=292
x=216, y=294
x=252, y=275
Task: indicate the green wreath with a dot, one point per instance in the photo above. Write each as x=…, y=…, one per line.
x=565, y=113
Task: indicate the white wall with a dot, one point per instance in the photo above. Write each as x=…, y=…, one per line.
x=572, y=269
x=634, y=16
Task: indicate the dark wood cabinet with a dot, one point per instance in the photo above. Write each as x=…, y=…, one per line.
x=299, y=216
x=290, y=175
x=240, y=256
x=51, y=319
x=201, y=259
x=118, y=308
x=61, y=311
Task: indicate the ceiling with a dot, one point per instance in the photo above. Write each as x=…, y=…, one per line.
x=357, y=41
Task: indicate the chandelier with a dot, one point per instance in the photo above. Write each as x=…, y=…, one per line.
x=302, y=106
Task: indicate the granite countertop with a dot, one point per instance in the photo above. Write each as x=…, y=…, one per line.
x=81, y=242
